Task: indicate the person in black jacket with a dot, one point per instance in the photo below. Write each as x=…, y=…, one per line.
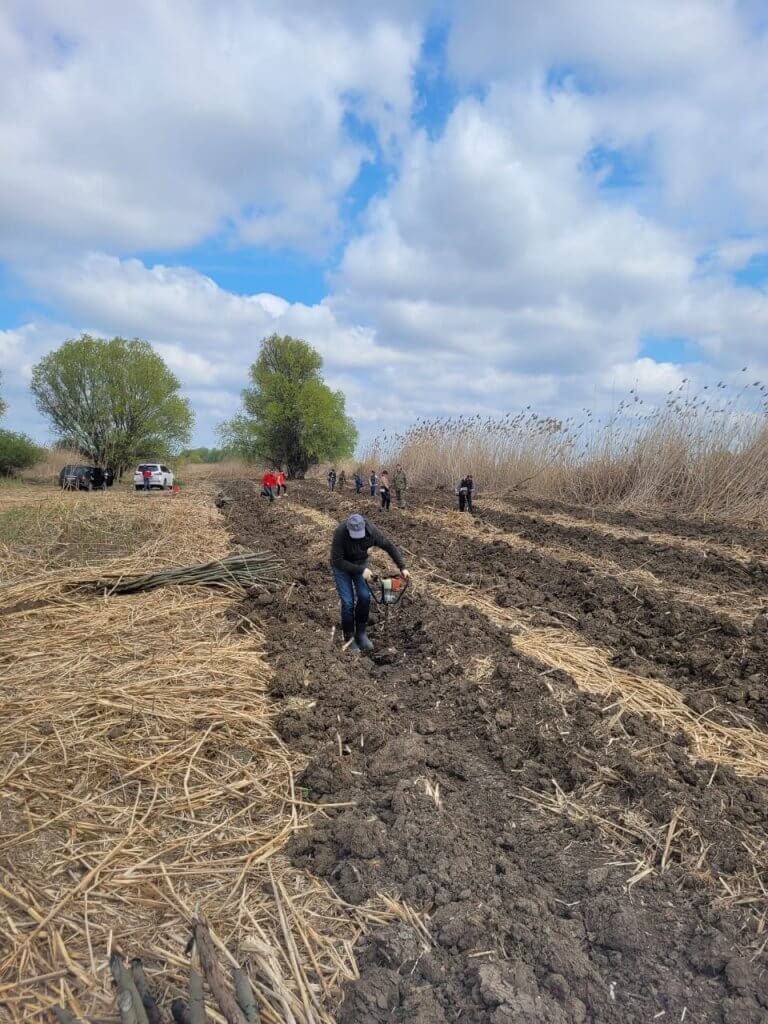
x=465, y=490
x=351, y=542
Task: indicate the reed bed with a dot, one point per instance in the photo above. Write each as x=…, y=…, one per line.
x=700, y=453
x=47, y=470
x=142, y=783
x=119, y=533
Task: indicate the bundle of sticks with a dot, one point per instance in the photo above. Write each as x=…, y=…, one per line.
x=240, y=571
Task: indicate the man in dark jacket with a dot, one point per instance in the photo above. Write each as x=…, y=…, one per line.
x=465, y=490
x=351, y=542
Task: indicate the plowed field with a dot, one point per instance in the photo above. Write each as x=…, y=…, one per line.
x=557, y=757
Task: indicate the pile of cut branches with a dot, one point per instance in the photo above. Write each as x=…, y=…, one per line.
x=240, y=571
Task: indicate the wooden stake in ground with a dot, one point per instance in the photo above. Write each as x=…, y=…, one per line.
x=213, y=975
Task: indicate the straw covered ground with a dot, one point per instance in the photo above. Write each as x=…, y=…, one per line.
x=560, y=762
x=141, y=779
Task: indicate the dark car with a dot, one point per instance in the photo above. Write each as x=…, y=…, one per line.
x=85, y=478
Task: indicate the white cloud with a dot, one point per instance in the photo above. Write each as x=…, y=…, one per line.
x=645, y=375
x=494, y=244
x=497, y=269
x=156, y=124
x=685, y=81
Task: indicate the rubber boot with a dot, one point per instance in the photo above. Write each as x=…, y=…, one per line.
x=363, y=643
x=350, y=643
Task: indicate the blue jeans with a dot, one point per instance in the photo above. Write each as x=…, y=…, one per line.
x=355, y=600
x=147, y=483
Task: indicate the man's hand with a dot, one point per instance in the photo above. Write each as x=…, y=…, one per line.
x=405, y=574
x=367, y=575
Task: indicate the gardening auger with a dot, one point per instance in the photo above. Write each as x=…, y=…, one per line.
x=388, y=592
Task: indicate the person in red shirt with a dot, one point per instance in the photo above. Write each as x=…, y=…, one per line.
x=280, y=478
x=268, y=485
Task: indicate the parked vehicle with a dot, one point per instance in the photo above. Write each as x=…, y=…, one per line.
x=85, y=478
x=160, y=476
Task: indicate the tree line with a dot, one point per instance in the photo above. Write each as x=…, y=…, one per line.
x=115, y=402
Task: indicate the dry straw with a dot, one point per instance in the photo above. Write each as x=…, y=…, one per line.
x=142, y=781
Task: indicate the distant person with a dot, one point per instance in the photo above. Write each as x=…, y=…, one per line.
x=358, y=482
x=331, y=479
x=400, y=481
x=342, y=480
x=280, y=482
x=146, y=476
x=372, y=482
x=351, y=542
x=465, y=491
x=268, y=485
x=386, y=497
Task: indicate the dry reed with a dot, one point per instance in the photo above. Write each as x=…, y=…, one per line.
x=142, y=782
x=703, y=453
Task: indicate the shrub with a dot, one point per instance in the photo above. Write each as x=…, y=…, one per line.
x=17, y=452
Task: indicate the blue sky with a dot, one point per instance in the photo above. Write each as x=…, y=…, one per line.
x=465, y=207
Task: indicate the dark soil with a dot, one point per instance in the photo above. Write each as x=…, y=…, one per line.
x=668, y=561
x=529, y=913
x=753, y=538
x=718, y=666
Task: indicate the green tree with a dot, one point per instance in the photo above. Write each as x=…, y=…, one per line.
x=113, y=400
x=3, y=406
x=290, y=417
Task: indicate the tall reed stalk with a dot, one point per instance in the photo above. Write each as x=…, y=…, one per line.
x=696, y=454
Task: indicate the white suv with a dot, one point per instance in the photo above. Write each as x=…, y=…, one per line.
x=161, y=476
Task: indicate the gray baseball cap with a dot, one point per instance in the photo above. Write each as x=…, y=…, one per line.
x=356, y=526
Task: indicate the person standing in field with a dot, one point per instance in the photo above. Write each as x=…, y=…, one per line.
x=268, y=485
x=386, y=497
x=342, y=480
x=358, y=482
x=465, y=491
x=146, y=476
x=351, y=542
x=280, y=481
x=372, y=482
x=400, y=481
x=331, y=479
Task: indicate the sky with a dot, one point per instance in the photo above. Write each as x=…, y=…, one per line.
x=465, y=205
